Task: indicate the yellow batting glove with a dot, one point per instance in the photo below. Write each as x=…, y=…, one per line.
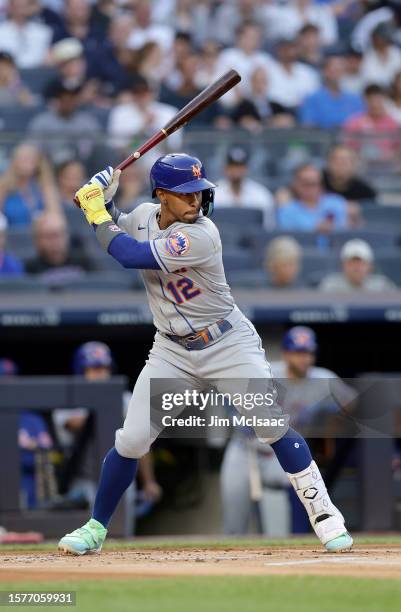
x=91, y=200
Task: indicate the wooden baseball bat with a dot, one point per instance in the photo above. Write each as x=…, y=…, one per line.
x=205, y=98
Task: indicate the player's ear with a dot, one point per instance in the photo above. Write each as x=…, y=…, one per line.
x=161, y=195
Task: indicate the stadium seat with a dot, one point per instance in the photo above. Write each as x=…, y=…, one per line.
x=104, y=281
x=21, y=284
x=390, y=265
x=17, y=118
x=240, y=217
x=382, y=216
x=37, y=79
x=247, y=279
x=19, y=242
x=238, y=259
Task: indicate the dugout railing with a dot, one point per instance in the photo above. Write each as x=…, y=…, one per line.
x=102, y=399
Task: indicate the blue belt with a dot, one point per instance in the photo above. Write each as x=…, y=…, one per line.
x=202, y=339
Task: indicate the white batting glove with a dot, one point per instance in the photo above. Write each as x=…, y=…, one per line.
x=108, y=180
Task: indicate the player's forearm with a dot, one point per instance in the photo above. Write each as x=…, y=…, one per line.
x=115, y=213
x=129, y=252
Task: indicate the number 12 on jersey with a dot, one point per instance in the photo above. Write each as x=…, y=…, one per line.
x=183, y=290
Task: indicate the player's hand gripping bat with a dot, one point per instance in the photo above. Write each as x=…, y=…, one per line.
x=210, y=94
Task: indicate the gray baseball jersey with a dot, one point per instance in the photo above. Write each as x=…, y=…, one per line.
x=190, y=291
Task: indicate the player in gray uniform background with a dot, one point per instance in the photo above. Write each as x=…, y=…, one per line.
x=308, y=392
x=201, y=334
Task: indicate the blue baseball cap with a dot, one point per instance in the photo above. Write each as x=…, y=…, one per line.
x=300, y=339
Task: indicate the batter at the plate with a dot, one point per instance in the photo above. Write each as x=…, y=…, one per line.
x=201, y=333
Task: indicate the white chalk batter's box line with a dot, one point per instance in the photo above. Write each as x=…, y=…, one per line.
x=342, y=559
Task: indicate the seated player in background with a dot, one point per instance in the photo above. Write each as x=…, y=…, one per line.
x=357, y=260
x=94, y=361
x=308, y=391
x=201, y=335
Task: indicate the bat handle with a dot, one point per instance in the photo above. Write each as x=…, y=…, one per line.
x=149, y=144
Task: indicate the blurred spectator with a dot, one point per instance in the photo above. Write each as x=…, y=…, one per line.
x=357, y=263
x=28, y=186
x=76, y=23
x=256, y=110
x=26, y=40
x=148, y=61
x=68, y=57
x=9, y=264
x=132, y=186
x=111, y=62
x=340, y=176
x=373, y=133
x=145, y=31
x=290, y=80
x=187, y=88
x=311, y=209
x=64, y=130
x=208, y=56
x=141, y=115
x=352, y=81
x=70, y=177
x=310, y=46
x=193, y=18
x=283, y=263
x=383, y=60
x=12, y=90
x=393, y=103
x=230, y=16
x=287, y=20
x=182, y=47
x=330, y=106
x=246, y=56
x=237, y=190
x=55, y=260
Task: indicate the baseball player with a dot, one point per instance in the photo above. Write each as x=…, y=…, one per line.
x=201, y=333
x=308, y=391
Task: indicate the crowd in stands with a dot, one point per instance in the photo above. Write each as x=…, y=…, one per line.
x=86, y=81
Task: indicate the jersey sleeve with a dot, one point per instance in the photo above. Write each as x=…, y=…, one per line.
x=190, y=246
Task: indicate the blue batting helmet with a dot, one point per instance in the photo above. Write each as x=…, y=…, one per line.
x=92, y=355
x=300, y=339
x=183, y=173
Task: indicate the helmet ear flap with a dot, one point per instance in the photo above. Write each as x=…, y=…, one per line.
x=207, y=202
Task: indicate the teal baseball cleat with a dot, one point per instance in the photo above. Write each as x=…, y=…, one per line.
x=86, y=539
x=342, y=543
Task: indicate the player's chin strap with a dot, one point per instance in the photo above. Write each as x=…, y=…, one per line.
x=326, y=520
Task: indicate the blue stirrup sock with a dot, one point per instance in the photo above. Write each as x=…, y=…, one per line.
x=292, y=452
x=117, y=474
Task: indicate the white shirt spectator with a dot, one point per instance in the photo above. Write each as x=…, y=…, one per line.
x=157, y=33
x=245, y=64
x=251, y=195
x=127, y=121
x=290, y=88
x=375, y=70
x=28, y=44
x=286, y=21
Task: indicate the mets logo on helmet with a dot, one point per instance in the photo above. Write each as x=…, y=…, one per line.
x=196, y=171
x=177, y=244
